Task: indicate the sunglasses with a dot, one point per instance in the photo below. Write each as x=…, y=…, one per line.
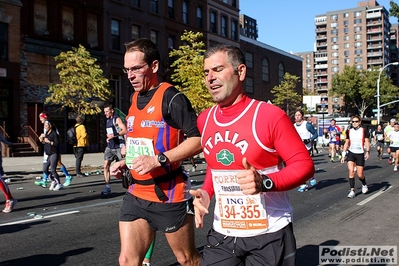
x=355, y=121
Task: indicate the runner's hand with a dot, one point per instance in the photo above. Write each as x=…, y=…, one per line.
x=201, y=205
x=250, y=180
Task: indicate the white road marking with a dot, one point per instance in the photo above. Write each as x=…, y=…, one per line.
x=43, y=217
x=373, y=196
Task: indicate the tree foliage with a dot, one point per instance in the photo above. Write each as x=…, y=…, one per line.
x=82, y=82
x=358, y=88
x=394, y=9
x=285, y=95
x=188, y=72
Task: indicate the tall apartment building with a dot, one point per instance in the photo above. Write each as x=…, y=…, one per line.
x=356, y=36
x=248, y=27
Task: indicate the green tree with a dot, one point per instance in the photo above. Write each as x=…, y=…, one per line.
x=188, y=70
x=358, y=88
x=82, y=82
x=285, y=95
x=394, y=9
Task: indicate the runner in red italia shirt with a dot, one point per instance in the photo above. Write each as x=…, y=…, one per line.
x=245, y=143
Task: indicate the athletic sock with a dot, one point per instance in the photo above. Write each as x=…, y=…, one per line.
x=352, y=183
x=64, y=170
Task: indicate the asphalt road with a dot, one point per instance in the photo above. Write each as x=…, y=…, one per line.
x=76, y=226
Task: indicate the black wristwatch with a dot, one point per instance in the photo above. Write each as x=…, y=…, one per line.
x=267, y=183
x=162, y=159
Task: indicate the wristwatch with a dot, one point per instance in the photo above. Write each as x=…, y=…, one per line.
x=162, y=159
x=267, y=183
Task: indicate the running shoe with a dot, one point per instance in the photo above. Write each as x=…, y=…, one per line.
x=52, y=185
x=106, y=191
x=332, y=159
x=351, y=194
x=10, y=204
x=58, y=187
x=41, y=183
x=68, y=181
x=395, y=168
x=340, y=157
x=303, y=188
x=365, y=189
x=312, y=182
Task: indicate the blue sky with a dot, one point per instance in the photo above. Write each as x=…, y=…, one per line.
x=281, y=23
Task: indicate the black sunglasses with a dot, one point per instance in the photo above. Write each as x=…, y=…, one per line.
x=355, y=121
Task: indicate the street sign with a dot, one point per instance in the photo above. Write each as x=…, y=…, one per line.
x=375, y=110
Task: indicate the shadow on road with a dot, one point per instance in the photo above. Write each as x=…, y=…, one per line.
x=309, y=255
x=45, y=259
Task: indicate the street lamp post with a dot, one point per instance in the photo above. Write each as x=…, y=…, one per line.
x=378, y=89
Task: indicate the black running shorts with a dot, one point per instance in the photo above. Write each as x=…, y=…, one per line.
x=357, y=158
x=168, y=217
x=278, y=248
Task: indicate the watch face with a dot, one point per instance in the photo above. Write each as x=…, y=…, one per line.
x=162, y=158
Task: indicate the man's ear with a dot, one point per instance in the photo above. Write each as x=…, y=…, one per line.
x=242, y=71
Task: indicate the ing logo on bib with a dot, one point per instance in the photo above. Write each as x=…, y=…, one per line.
x=225, y=157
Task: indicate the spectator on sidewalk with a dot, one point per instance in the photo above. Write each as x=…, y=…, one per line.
x=10, y=201
x=3, y=139
x=44, y=117
x=79, y=149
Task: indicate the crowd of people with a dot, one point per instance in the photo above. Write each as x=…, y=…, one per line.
x=249, y=169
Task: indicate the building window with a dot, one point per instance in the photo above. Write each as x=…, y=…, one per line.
x=334, y=17
x=346, y=22
x=40, y=17
x=171, y=43
x=185, y=12
x=346, y=60
x=135, y=3
x=346, y=30
x=265, y=70
x=359, y=67
x=346, y=38
x=212, y=26
x=358, y=51
x=335, y=54
x=3, y=42
x=249, y=59
x=154, y=6
x=358, y=28
x=358, y=59
x=224, y=26
x=358, y=44
x=199, y=17
x=335, y=47
x=346, y=45
x=234, y=32
x=334, y=24
x=234, y=3
x=115, y=35
x=92, y=30
x=358, y=37
x=281, y=72
x=135, y=32
x=346, y=53
x=357, y=13
x=346, y=15
x=357, y=21
x=335, y=62
x=68, y=23
x=249, y=85
x=154, y=36
x=334, y=39
x=171, y=9
x=334, y=31
x=335, y=69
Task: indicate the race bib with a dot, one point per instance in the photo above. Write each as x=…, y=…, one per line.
x=136, y=147
x=237, y=211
